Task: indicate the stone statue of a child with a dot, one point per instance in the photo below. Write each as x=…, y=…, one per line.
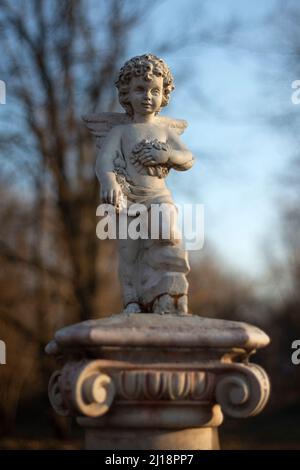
x=137, y=150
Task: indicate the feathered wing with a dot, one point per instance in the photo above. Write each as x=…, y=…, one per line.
x=101, y=124
x=179, y=125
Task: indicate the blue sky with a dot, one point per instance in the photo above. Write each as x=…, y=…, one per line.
x=239, y=156
x=225, y=91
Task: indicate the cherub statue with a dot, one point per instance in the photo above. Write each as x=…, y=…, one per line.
x=138, y=148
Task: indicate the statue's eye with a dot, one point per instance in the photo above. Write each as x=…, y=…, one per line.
x=155, y=91
x=139, y=88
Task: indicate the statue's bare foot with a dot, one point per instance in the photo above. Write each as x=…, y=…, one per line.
x=133, y=307
x=182, y=305
x=171, y=304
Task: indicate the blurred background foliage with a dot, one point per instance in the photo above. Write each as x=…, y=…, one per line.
x=60, y=59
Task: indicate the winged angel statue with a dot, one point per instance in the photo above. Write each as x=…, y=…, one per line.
x=137, y=149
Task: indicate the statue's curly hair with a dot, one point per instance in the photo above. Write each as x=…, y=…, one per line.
x=146, y=66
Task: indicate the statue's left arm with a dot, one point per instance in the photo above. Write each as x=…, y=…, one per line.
x=181, y=158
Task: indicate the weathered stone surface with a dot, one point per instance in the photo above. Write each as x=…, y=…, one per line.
x=166, y=376
x=155, y=331
x=186, y=439
x=136, y=152
x=153, y=377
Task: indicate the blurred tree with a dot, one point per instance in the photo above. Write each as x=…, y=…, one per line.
x=215, y=291
x=61, y=59
x=284, y=268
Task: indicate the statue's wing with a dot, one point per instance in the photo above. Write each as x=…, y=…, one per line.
x=179, y=125
x=100, y=124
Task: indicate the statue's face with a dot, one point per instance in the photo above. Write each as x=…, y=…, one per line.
x=145, y=96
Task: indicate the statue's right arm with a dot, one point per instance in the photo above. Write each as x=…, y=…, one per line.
x=110, y=189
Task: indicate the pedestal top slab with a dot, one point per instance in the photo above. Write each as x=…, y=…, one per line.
x=153, y=330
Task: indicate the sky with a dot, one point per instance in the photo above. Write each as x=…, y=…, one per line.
x=227, y=92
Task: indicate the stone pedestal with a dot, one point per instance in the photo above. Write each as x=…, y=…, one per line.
x=148, y=381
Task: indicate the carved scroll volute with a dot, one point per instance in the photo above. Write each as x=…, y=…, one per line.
x=81, y=388
x=56, y=396
x=243, y=392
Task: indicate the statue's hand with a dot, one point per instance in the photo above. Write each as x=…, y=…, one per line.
x=111, y=193
x=153, y=156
